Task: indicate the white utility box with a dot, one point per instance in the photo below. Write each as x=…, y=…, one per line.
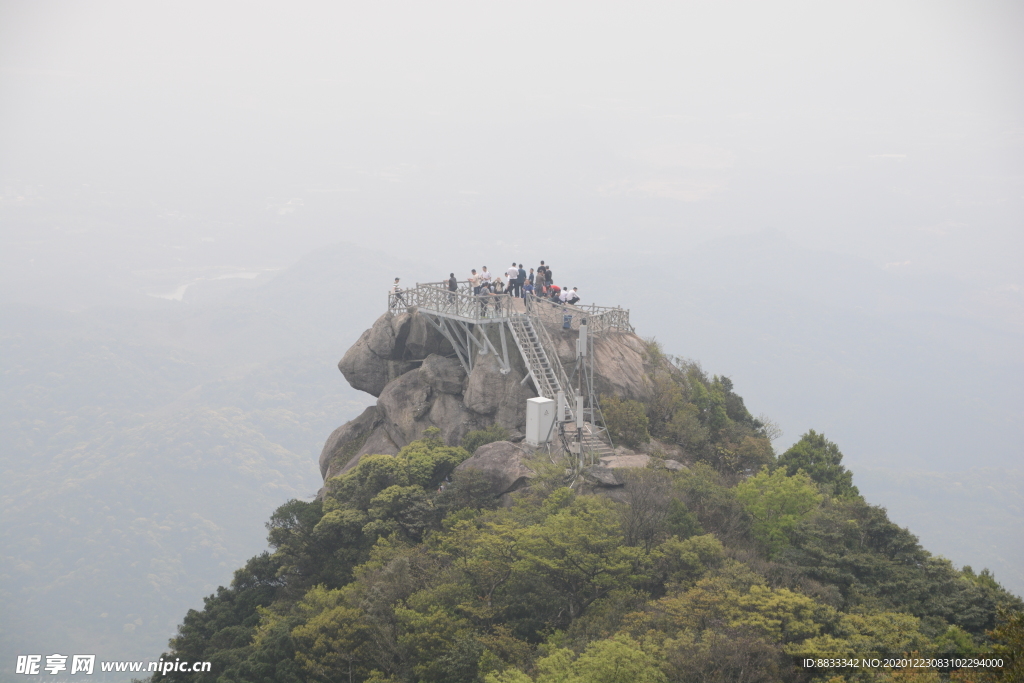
x=540, y=415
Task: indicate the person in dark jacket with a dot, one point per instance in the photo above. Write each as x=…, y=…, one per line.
x=520, y=279
x=453, y=287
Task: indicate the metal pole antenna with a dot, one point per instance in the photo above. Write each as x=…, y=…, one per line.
x=581, y=353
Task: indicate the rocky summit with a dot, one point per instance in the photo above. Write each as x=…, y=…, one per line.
x=419, y=383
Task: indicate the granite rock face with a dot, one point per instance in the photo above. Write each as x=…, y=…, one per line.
x=502, y=464
x=491, y=393
x=419, y=383
x=618, y=363
x=599, y=475
x=403, y=404
x=381, y=339
x=364, y=370
x=354, y=439
x=444, y=375
x=617, y=461
x=619, y=367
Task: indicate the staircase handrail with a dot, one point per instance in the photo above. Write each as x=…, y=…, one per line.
x=552, y=353
x=531, y=358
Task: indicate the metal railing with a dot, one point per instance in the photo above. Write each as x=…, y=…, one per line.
x=436, y=298
x=600, y=318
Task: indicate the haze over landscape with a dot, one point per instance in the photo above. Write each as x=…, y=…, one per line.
x=202, y=206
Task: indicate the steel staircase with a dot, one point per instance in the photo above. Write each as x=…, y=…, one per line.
x=543, y=371
x=544, y=368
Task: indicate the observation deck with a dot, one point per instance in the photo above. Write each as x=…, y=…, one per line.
x=435, y=299
x=465, y=320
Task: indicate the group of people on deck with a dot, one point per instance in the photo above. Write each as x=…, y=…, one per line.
x=518, y=283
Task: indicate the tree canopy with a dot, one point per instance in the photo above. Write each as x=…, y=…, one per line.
x=718, y=572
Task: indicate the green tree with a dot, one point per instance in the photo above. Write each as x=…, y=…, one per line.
x=330, y=644
x=648, y=501
x=627, y=421
x=425, y=463
x=578, y=551
x=667, y=399
x=706, y=494
x=716, y=603
x=822, y=461
x=478, y=437
x=613, y=660
x=682, y=562
x=777, y=502
x=222, y=632
x=749, y=455
x=1008, y=636
x=883, y=632
x=406, y=509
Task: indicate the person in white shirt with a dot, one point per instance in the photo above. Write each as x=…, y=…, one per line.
x=474, y=280
x=512, y=275
x=485, y=278
x=564, y=296
x=396, y=289
x=573, y=297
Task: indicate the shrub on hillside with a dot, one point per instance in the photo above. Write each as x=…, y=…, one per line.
x=627, y=421
x=477, y=438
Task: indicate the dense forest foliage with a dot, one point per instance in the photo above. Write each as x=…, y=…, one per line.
x=408, y=571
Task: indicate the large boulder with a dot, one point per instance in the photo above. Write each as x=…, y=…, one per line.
x=486, y=385
x=345, y=441
x=444, y=375
x=451, y=417
x=618, y=461
x=422, y=339
x=378, y=442
x=412, y=337
x=619, y=367
x=511, y=411
x=502, y=464
x=403, y=404
x=601, y=476
x=491, y=393
x=400, y=326
x=382, y=337
x=364, y=370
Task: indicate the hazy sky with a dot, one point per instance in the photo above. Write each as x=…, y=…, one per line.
x=889, y=130
x=823, y=200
